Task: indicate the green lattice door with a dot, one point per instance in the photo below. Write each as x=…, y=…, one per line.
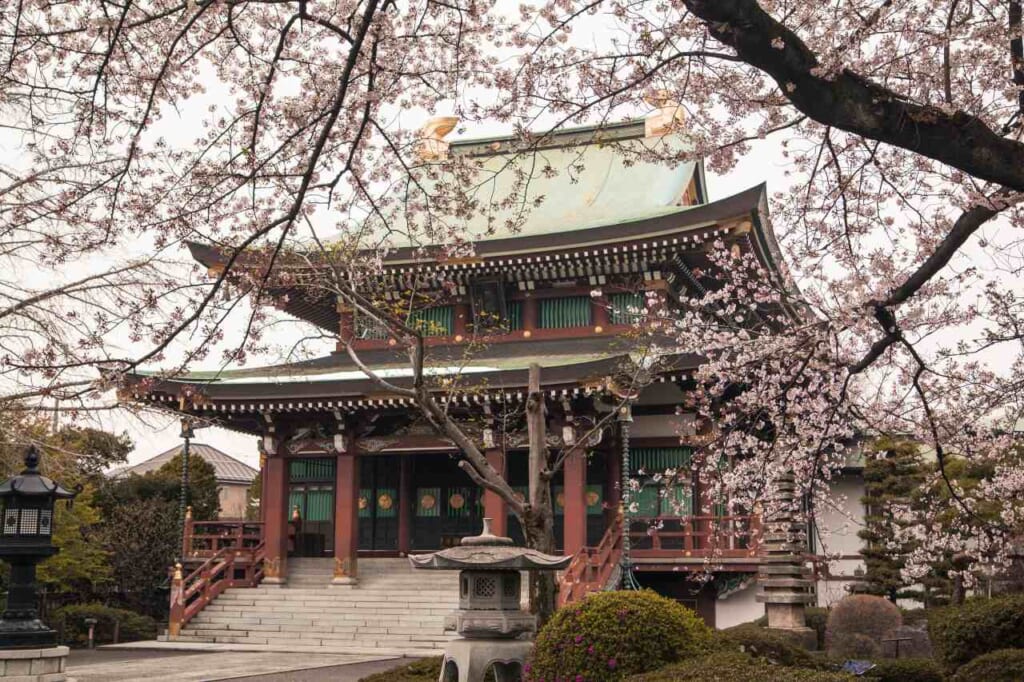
x=311, y=493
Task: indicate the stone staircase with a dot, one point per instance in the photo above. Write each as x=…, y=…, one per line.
x=392, y=610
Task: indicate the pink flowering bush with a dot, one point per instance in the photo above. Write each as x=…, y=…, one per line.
x=610, y=635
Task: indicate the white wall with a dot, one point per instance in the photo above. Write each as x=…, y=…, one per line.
x=838, y=524
x=738, y=607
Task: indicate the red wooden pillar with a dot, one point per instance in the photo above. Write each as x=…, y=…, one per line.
x=461, y=322
x=531, y=313
x=346, y=520
x=599, y=313
x=574, y=478
x=496, y=508
x=405, y=493
x=275, y=518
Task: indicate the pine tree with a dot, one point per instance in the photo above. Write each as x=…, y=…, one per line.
x=892, y=475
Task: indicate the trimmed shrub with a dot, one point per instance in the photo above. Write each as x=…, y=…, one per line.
x=906, y=670
x=423, y=670
x=763, y=643
x=962, y=633
x=1004, y=665
x=131, y=626
x=610, y=635
x=855, y=646
x=860, y=614
x=733, y=666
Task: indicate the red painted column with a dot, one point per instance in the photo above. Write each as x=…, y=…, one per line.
x=496, y=508
x=599, y=313
x=531, y=313
x=275, y=518
x=346, y=520
x=405, y=493
x=574, y=476
x=461, y=322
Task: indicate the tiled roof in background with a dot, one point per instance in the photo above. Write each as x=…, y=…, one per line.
x=227, y=468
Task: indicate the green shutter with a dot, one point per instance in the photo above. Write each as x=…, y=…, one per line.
x=319, y=505
x=311, y=469
x=677, y=501
x=365, y=327
x=657, y=460
x=514, y=321
x=594, y=499
x=647, y=501
x=386, y=502
x=562, y=313
x=459, y=502
x=625, y=308
x=428, y=502
x=365, y=503
x=297, y=499
x=438, y=321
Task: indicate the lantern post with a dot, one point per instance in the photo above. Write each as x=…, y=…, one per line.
x=28, y=647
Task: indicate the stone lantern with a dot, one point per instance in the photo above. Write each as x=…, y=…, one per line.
x=489, y=618
x=28, y=647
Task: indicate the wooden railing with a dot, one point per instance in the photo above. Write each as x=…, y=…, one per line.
x=206, y=538
x=592, y=567
x=228, y=567
x=694, y=536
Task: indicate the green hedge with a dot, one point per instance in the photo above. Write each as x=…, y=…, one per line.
x=1004, y=665
x=612, y=634
x=423, y=670
x=906, y=670
x=960, y=634
x=734, y=666
x=768, y=644
x=71, y=621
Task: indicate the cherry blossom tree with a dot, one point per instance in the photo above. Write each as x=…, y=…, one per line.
x=130, y=127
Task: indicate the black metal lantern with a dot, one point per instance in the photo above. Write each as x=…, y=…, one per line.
x=26, y=534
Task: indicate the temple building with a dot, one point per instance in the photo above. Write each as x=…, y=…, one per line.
x=352, y=474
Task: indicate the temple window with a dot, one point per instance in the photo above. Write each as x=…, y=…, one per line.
x=625, y=308
x=661, y=494
x=439, y=321
x=487, y=297
x=562, y=313
x=365, y=327
x=514, y=317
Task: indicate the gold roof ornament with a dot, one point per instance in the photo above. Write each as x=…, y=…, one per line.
x=432, y=145
x=667, y=117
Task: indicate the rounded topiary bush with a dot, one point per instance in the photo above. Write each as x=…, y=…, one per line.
x=863, y=615
x=906, y=670
x=734, y=666
x=1004, y=665
x=610, y=635
x=962, y=633
x=130, y=626
x=767, y=644
x=855, y=646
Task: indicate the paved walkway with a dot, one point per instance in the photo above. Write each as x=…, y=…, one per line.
x=130, y=665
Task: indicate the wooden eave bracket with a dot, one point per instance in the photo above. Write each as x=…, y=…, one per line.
x=432, y=146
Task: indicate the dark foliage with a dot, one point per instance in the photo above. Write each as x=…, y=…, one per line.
x=906, y=670
x=857, y=620
x=980, y=626
x=1003, y=665
x=772, y=646
x=733, y=666
x=131, y=626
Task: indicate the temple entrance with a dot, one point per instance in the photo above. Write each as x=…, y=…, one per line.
x=446, y=504
x=378, y=502
x=311, y=494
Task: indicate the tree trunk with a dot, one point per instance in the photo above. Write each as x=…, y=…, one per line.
x=539, y=522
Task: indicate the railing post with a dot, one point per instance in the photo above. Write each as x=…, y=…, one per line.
x=239, y=536
x=177, y=603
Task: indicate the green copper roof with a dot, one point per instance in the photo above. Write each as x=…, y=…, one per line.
x=584, y=178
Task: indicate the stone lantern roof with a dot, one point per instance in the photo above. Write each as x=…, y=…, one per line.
x=489, y=552
x=30, y=483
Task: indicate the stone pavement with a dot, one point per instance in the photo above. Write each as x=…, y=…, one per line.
x=131, y=665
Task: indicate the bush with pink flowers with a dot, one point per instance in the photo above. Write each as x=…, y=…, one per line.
x=610, y=635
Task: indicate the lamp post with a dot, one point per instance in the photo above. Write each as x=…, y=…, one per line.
x=188, y=433
x=25, y=540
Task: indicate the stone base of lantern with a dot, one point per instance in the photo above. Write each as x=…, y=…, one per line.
x=33, y=665
x=467, y=660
